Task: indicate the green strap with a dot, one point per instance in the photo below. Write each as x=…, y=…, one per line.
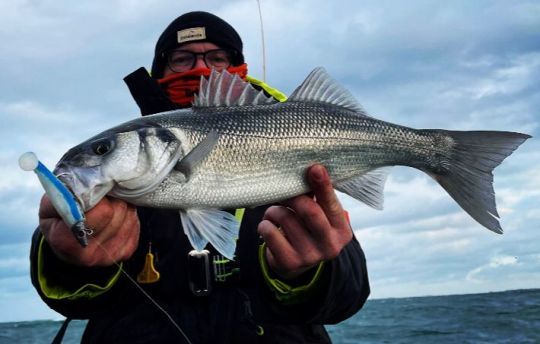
x=57, y=292
x=284, y=292
x=239, y=214
x=274, y=92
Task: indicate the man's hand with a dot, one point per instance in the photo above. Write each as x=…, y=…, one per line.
x=116, y=233
x=305, y=231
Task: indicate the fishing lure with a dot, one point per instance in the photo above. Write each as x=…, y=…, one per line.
x=61, y=198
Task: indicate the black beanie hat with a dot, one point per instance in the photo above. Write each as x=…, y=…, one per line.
x=193, y=27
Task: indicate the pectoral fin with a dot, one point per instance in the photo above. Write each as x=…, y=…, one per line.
x=187, y=164
x=218, y=227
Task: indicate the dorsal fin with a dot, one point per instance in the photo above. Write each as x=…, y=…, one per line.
x=320, y=87
x=226, y=89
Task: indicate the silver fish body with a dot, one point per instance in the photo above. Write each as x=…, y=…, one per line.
x=262, y=152
x=236, y=148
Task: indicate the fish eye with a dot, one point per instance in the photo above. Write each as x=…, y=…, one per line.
x=102, y=147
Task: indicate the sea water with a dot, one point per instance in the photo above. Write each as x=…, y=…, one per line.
x=502, y=317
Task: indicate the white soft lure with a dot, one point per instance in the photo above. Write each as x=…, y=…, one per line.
x=61, y=198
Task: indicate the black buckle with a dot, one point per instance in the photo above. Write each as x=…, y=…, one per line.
x=200, y=283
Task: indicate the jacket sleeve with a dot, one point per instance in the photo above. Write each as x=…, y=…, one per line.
x=330, y=293
x=147, y=93
x=347, y=285
x=73, y=291
x=340, y=290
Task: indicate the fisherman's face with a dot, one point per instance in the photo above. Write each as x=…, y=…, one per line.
x=195, y=47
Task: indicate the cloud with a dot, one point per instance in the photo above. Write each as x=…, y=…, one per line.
x=47, y=129
x=508, y=80
x=494, y=264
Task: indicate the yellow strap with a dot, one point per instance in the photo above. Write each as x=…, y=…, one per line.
x=239, y=214
x=284, y=292
x=274, y=92
x=57, y=292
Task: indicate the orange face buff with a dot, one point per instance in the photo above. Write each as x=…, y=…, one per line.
x=182, y=87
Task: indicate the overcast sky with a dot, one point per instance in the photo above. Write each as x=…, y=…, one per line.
x=463, y=65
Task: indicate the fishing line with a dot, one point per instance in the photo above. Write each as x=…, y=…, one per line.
x=145, y=293
x=262, y=41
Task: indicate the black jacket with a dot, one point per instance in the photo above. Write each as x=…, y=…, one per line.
x=235, y=311
x=231, y=313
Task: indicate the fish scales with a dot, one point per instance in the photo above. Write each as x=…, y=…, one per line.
x=262, y=152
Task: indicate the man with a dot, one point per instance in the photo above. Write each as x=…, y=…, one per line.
x=297, y=265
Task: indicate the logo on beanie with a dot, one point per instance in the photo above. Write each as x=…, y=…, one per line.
x=192, y=34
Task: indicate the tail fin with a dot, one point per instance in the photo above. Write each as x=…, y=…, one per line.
x=469, y=179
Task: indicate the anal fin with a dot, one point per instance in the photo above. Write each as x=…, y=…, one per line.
x=217, y=227
x=367, y=188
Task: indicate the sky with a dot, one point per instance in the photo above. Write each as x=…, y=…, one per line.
x=459, y=65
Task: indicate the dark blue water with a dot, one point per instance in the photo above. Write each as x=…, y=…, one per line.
x=42, y=331
x=505, y=317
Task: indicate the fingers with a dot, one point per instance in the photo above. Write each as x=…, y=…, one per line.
x=284, y=259
x=292, y=248
x=307, y=230
x=126, y=238
x=275, y=240
x=326, y=197
x=116, y=231
x=288, y=223
x=312, y=215
x=287, y=232
x=59, y=237
x=115, y=226
x=106, y=218
x=323, y=190
x=323, y=214
x=329, y=239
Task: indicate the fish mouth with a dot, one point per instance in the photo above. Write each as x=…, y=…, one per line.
x=69, y=180
x=87, y=186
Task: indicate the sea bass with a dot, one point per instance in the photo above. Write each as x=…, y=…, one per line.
x=238, y=148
